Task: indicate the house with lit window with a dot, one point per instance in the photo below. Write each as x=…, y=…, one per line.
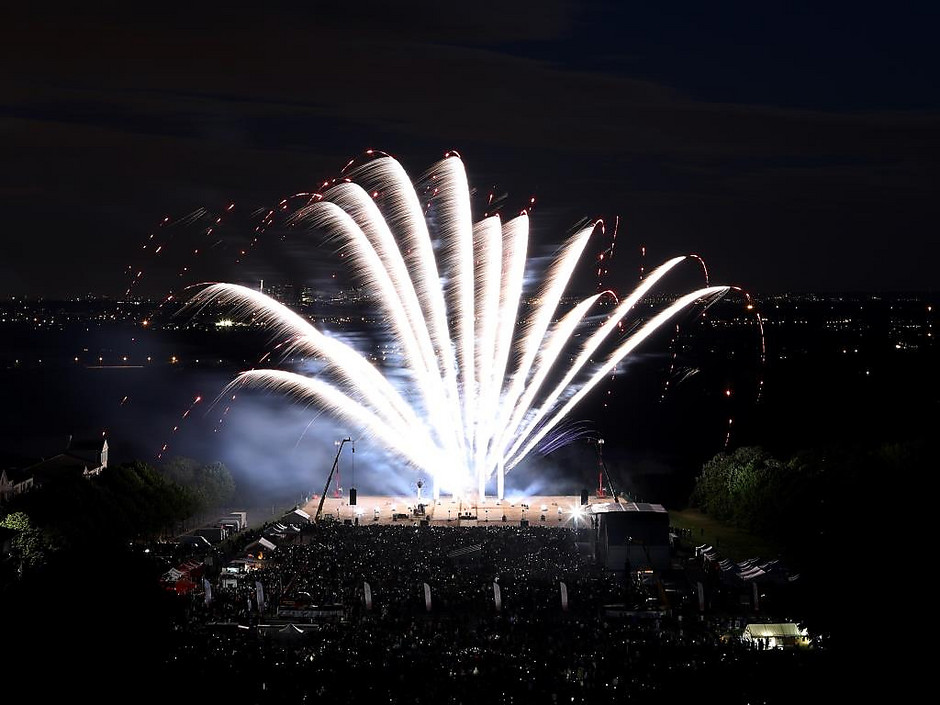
x=13, y=481
x=85, y=458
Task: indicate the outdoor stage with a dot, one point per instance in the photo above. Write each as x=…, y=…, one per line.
x=449, y=511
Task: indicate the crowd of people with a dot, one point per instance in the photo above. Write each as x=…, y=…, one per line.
x=456, y=614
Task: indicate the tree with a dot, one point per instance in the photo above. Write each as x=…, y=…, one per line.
x=212, y=483
x=217, y=484
x=123, y=503
x=181, y=470
x=31, y=547
x=742, y=488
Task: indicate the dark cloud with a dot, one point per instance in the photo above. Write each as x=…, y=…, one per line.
x=111, y=119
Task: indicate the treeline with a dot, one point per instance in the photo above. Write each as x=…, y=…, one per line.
x=125, y=503
x=122, y=503
x=808, y=501
x=835, y=513
x=211, y=484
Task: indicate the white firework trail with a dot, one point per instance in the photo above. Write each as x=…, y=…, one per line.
x=472, y=398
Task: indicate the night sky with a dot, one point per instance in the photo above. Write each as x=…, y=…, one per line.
x=795, y=147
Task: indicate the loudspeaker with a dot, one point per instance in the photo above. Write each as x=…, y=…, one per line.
x=352, y=495
x=524, y=522
x=584, y=496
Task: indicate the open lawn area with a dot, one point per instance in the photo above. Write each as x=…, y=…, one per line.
x=728, y=541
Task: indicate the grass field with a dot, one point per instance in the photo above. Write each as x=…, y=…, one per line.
x=728, y=541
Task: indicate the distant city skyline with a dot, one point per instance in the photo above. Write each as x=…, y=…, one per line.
x=835, y=367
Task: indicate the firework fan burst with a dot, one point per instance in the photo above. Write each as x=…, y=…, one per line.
x=487, y=369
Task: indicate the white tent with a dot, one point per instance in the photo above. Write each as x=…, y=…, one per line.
x=774, y=635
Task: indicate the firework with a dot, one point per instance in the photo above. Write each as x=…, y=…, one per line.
x=486, y=372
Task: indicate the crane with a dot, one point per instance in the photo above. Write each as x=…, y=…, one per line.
x=602, y=472
x=316, y=517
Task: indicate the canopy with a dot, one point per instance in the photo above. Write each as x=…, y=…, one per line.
x=776, y=630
